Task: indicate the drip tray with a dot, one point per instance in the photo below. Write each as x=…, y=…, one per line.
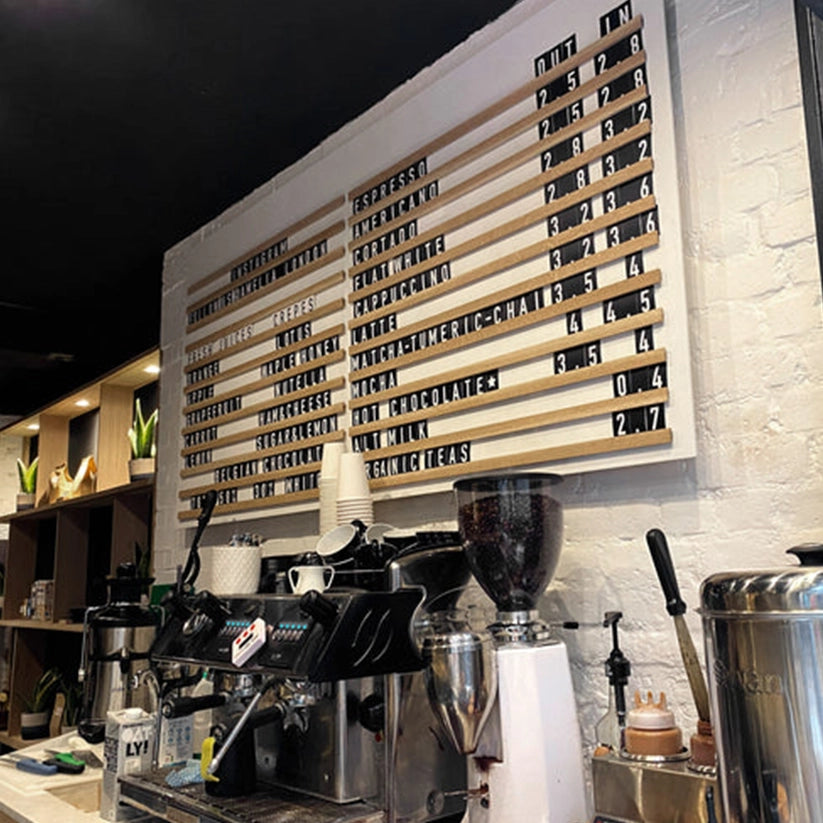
x=149, y=792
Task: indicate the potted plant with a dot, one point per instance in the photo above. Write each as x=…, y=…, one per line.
x=34, y=719
x=74, y=703
x=143, y=448
x=28, y=483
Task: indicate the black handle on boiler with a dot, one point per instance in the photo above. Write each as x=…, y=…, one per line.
x=662, y=560
x=323, y=610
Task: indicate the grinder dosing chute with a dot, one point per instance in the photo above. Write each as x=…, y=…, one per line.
x=511, y=530
x=461, y=677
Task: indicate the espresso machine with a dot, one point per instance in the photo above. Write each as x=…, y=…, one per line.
x=319, y=707
x=504, y=693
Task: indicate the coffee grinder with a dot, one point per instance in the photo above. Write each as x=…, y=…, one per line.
x=523, y=746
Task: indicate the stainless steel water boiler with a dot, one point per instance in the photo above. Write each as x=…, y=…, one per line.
x=116, y=642
x=764, y=647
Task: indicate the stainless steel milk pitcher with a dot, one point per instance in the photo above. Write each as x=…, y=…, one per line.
x=764, y=647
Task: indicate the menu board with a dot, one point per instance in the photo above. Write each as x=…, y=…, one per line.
x=507, y=295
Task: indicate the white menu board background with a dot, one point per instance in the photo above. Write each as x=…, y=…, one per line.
x=481, y=273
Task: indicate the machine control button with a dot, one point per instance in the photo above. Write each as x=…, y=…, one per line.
x=197, y=623
x=371, y=713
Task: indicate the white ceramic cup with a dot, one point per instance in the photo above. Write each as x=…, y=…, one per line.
x=306, y=578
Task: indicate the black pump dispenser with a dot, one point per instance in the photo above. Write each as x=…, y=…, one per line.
x=618, y=668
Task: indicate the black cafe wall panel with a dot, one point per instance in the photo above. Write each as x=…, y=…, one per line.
x=483, y=272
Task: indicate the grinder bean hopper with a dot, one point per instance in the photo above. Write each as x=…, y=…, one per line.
x=523, y=746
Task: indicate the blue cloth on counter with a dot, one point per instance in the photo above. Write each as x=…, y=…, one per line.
x=188, y=774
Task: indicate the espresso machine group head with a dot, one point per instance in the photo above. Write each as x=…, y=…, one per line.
x=504, y=692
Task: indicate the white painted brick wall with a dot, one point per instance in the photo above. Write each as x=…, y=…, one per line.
x=757, y=340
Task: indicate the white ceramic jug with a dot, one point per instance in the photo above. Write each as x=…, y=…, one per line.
x=306, y=578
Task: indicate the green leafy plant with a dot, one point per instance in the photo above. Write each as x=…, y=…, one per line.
x=27, y=475
x=74, y=702
x=42, y=695
x=141, y=434
x=142, y=561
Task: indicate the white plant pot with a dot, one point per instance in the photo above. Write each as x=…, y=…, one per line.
x=141, y=467
x=25, y=500
x=34, y=725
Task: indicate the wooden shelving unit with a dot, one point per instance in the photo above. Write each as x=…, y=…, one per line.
x=113, y=396
x=71, y=534
x=77, y=542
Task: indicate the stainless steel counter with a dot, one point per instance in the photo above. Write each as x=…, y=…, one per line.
x=190, y=804
x=638, y=792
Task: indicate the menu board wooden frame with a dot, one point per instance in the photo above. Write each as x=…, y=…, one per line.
x=482, y=273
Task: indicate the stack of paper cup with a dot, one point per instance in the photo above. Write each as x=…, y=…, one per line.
x=353, y=494
x=327, y=484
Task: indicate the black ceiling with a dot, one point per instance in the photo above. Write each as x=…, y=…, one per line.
x=127, y=124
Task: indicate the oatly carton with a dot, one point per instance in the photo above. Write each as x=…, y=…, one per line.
x=127, y=750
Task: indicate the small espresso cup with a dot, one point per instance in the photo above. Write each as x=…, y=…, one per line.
x=306, y=578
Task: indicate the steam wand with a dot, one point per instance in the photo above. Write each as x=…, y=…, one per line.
x=192, y=568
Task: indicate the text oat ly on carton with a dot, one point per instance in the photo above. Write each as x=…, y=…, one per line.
x=127, y=750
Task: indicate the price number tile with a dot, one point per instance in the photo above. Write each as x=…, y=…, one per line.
x=570, y=252
x=644, y=340
x=626, y=118
x=634, y=421
x=645, y=378
x=562, y=152
x=557, y=88
x=573, y=286
x=577, y=357
x=626, y=193
x=631, y=80
x=634, y=264
x=566, y=184
x=618, y=52
x=640, y=224
x=574, y=321
x=560, y=119
x=570, y=217
x=628, y=305
x=632, y=152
